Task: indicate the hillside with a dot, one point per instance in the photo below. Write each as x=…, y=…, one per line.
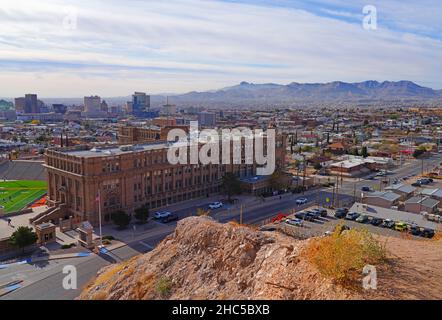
x=204, y=259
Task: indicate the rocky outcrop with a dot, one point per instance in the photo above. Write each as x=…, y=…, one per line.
x=204, y=259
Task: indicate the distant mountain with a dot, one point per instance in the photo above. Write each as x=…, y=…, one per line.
x=270, y=95
x=337, y=91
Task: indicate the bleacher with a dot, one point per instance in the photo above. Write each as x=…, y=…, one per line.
x=22, y=170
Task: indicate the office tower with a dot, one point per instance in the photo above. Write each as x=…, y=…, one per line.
x=19, y=104
x=31, y=104
x=140, y=103
x=207, y=119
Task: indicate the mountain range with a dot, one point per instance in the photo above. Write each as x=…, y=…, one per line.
x=337, y=91
x=270, y=95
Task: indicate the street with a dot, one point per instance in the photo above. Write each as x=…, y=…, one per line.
x=44, y=281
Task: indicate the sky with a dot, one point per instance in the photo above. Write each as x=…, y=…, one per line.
x=113, y=48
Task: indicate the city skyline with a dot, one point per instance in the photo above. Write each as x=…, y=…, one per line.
x=71, y=49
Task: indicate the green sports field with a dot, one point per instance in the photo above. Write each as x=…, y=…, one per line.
x=15, y=195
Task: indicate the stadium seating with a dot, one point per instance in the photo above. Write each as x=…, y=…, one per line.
x=22, y=170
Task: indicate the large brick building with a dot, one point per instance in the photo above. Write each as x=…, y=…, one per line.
x=128, y=177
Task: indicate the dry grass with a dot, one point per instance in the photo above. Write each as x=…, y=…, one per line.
x=342, y=255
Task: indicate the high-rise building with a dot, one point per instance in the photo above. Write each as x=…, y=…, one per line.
x=104, y=107
x=140, y=103
x=28, y=104
x=92, y=107
x=19, y=104
x=207, y=119
x=31, y=103
x=59, y=108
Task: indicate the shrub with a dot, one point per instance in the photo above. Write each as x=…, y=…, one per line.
x=201, y=212
x=164, y=286
x=68, y=246
x=142, y=214
x=121, y=219
x=342, y=255
x=108, y=238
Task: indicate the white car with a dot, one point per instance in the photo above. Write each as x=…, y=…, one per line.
x=294, y=222
x=215, y=205
x=161, y=214
x=301, y=201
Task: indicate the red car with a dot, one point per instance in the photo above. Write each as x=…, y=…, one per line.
x=279, y=217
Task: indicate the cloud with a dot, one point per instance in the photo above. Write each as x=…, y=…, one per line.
x=118, y=47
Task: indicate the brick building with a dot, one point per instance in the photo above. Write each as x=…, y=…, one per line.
x=128, y=177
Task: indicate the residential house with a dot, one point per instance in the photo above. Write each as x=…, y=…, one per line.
x=384, y=199
x=420, y=204
x=405, y=191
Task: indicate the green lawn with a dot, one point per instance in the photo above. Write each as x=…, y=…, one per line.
x=15, y=195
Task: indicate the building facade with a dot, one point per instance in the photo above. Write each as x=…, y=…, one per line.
x=128, y=177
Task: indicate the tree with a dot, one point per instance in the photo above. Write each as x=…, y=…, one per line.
x=121, y=219
x=278, y=180
x=317, y=166
x=142, y=214
x=23, y=237
x=364, y=152
x=231, y=185
x=418, y=152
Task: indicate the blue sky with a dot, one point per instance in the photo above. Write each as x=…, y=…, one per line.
x=117, y=47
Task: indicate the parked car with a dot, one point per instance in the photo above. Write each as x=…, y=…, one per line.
x=415, y=230
x=362, y=219
x=400, y=226
x=304, y=216
x=376, y=221
x=427, y=233
x=388, y=223
x=365, y=189
x=279, y=217
x=322, y=212
x=171, y=217
x=215, y=205
x=314, y=214
x=416, y=184
x=352, y=216
x=294, y=222
x=341, y=213
x=301, y=201
x=161, y=214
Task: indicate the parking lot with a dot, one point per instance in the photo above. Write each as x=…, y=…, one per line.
x=321, y=225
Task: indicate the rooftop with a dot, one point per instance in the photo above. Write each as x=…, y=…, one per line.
x=387, y=195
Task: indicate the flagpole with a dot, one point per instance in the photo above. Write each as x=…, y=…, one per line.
x=99, y=215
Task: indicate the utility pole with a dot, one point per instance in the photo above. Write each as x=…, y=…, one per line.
x=99, y=215
x=337, y=192
x=240, y=215
x=303, y=179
